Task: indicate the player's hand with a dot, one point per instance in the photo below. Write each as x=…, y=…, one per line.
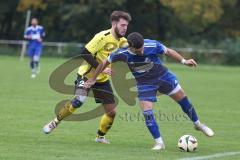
x=39, y=39
x=108, y=71
x=190, y=63
x=29, y=37
x=89, y=83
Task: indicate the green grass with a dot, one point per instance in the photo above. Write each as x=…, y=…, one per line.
x=27, y=104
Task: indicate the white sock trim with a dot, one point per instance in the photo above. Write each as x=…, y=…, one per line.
x=56, y=120
x=175, y=90
x=159, y=140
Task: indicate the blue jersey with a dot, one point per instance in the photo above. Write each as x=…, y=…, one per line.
x=35, y=33
x=143, y=67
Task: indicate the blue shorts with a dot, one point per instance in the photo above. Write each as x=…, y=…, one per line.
x=166, y=84
x=34, y=51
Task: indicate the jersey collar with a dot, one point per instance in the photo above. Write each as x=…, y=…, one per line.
x=130, y=52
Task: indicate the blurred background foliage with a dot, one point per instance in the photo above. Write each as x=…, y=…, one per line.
x=178, y=23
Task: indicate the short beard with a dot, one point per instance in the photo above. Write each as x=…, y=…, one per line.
x=117, y=33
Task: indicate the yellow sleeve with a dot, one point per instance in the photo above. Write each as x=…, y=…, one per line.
x=96, y=43
x=123, y=43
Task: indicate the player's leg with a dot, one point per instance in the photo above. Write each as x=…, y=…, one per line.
x=103, y=93
x=31, y=61
x=33, y=75
x=36, y=58
x=69, y=107
x=171, y=87
x=106, y=123
x=180, y=97
x=147, y=95
x=151, y=124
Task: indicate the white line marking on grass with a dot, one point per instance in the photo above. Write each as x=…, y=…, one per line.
x=217, y=155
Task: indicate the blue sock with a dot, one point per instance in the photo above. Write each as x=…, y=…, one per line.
x=188, y=109
x=36, y=64
x=32, y=65
x=151, y=123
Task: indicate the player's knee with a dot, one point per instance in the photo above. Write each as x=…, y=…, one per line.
x=110, y=109
x=36, y=58
x=112, y=112
x=78, y=101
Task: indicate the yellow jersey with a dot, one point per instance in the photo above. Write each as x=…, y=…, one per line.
x=102, y=44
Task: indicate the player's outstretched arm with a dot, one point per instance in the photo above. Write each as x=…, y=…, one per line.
x=28, y=37
x=175, y=55
x=99, y=69
x=88, y=57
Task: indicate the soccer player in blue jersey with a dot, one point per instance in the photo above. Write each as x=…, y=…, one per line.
x=34, y=34
x=142, y=57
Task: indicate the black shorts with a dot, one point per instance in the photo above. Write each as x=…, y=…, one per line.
x=102, y=92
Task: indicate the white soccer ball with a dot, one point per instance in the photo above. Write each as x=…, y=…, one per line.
x=187, y=143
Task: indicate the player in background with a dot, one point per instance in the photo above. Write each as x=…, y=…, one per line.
x=34, y=34
x=94, y=52
x=142, y=57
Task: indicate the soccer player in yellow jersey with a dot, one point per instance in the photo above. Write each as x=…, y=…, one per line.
x=94, y=52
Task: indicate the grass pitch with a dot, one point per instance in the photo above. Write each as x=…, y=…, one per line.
x=27, y=104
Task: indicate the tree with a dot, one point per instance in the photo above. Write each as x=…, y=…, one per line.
x=30, y=4
x=197, y=13
x=9, y=20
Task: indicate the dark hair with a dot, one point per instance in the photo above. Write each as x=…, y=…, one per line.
x=135, y=40
x=34, y=18
x=116, y=15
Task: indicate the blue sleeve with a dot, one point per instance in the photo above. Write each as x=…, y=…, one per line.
x=161, y=49
x=27, y=32
x=114, y=57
